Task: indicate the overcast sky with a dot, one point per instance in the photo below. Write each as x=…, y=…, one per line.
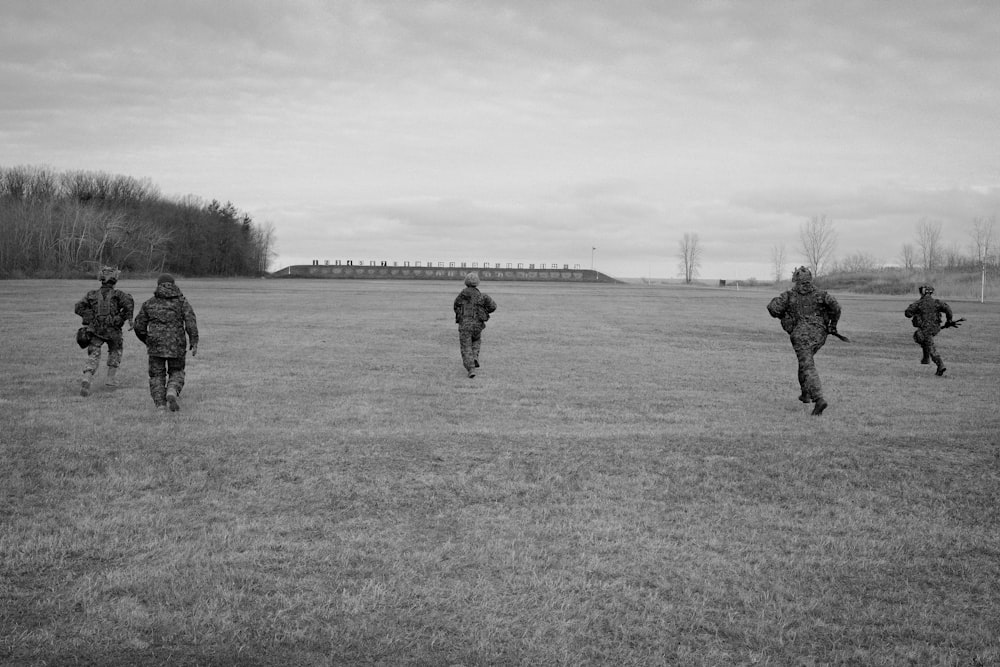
x=530, y=131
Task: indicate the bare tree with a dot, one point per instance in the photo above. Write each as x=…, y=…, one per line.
x=859, y=262
x=908, y=255
x=60, y=224
x=982, y=240
x=929, y=242
x=778, y=260
x=264, y=245
x=951, y=257
x=151, y=242
x=818, y=241
x=27, y=183
x=69, y=246
x=689, y=254
x=88, y=238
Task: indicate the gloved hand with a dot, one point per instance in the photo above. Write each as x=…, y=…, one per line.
x=194, y=349
x=952, y=323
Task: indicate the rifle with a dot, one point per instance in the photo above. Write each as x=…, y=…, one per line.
x=840, y=336
x=953, y=324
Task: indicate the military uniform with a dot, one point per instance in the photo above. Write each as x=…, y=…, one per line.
x=166, y=324
x=925, y=314
x=472, y=310
x=807, y=316
x=104, y=312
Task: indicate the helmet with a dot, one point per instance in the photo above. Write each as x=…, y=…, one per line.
x=802, y=275
x=472, y=279
x=926, y=289
x=164, y=278
x=108, y=274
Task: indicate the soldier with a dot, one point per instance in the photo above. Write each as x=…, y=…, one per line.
x=166, y=324
x=104, y=311
x=925, y=313
x=807, y=315
x=472, y=309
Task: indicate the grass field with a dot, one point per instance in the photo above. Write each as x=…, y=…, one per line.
x=629, y=481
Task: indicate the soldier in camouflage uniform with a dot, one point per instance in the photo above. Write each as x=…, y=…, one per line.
x=166, y=324
x=807, y=315
x=104, y=311
x=472, y=309
x=925, y=313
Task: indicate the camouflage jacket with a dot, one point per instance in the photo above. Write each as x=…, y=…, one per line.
x=472, y=306
x=164, y=321
x=805, y=310
x=925, y=313
x=105, y=310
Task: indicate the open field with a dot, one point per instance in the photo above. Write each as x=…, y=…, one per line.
x=630, y=481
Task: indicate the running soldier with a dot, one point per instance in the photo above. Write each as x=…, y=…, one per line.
x=472, y=310
x=104, y=311
x=166, y=324
x=925, y=313
x=807, y=316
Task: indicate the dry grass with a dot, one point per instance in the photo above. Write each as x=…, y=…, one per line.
x=629, y=481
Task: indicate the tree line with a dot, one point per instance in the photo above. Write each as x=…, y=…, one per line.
x=67, y=224
x=927, y=253
x=818, y=243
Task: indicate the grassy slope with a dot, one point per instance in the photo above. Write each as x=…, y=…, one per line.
x=631, y=480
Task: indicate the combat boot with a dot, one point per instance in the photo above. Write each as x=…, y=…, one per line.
x=85, y=384
x=819, y=406
x=111, y=381
x=158, y=391
x=939, y=362
x=926, y=359
x=172, y=399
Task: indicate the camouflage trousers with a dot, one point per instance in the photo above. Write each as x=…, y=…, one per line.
x=115, y=347
x=470, y=341
x=926, y=342
x=165, y=373
x=806, y=346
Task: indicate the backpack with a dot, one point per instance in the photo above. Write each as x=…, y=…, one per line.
x=83, y=337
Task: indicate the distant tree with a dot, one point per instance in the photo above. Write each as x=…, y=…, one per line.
x=908, y=256
x=689, y=254
x=929, y=242
x=982, y=242
x=859, y=262
x=818, y=241
x=29, y=184
x=107, y=189
x=66, y=224
x=952, y=257
x=151, y=244
x=264, y=247
x=778, y=260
